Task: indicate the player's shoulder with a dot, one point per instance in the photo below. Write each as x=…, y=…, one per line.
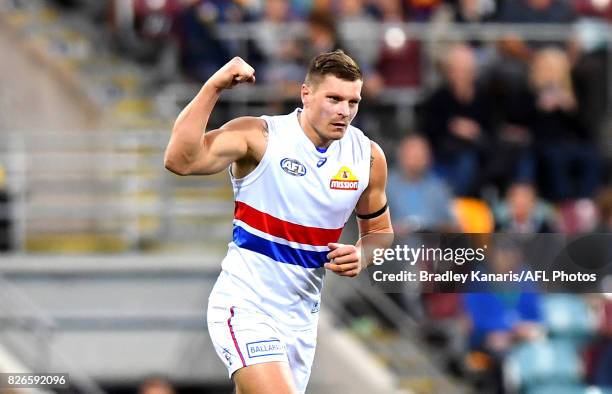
x=360, y=140
x=280, y=121
x=357, y=135
x=356, y=131
x=377, y=153
x=246, y=124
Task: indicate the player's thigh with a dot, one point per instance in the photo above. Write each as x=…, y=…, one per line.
x=265, y=378
x=248, y=340
x=301, y=347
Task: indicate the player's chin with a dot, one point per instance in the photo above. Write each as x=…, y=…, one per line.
x=336, y=133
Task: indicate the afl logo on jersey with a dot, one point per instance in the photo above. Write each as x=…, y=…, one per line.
x=293, y=167
x=344, y=180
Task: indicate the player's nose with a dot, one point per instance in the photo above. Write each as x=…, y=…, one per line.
x=343, y=109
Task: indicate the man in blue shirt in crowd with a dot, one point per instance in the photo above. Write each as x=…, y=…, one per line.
x=420, y=201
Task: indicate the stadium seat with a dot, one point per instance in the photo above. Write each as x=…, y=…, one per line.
x=571, y=389
x=568, y=316
x=544, y=362
x=473, y=215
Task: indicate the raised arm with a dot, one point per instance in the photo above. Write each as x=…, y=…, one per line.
x=192, y=150
x=373, y=220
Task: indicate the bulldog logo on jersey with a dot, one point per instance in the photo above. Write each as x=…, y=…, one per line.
x=344, y=180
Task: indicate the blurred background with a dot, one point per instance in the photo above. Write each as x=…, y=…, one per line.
x=495, y=116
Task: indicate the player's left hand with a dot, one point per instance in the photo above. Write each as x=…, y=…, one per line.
x=343, y=259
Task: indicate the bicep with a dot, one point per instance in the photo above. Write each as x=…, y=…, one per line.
x=219, y=149
x=231, y=142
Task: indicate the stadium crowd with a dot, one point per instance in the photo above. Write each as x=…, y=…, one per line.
x=499, y=111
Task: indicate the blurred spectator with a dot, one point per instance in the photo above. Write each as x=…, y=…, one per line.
x=322, y=35
x=603, y=363
x=523, y=213
x=419, y=200
x=292, y=56
x=561, y=141
x=536, y=11
x=513, y=158
x=322, y=6
x=516, y=53
x=357, y=27
x=301, y=8
x=275, y=14
x=603, y=201
x=589, y=55
x=399, y=59
x=469, y=12
x=598, y=355
x=142, y=31
x=594, y=8
x=279, y=48
x=156, y=385
x=457, y=121
x=202, y=52
x=501, y=318
x=577, y=216
x=5, y=218
x=473, y=11
x=527, y=12
x=421, y=10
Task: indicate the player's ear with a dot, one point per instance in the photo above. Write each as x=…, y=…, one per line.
x=305, y=93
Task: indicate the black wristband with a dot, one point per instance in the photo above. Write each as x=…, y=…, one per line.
x=375, y=214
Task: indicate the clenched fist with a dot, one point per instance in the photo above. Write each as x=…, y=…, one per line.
x=344, y=260
x=234, y=72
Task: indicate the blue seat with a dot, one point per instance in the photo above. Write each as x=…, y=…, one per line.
x=568, y=315
x=568, y=389
x=537, y=363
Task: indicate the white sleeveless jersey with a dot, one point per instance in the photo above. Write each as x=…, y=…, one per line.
x=287, y=210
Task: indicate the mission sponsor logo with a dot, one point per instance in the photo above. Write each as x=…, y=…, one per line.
x=293, y=167
x=344, y=180
x=271, y=347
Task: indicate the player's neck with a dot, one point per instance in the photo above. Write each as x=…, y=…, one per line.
x=312, y=133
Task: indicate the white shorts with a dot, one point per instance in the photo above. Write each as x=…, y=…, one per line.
x=244, y=337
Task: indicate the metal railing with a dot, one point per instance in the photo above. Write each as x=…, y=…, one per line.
x=27, y=332
x=406, y=355
x=431, y=36
x=109, y=184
